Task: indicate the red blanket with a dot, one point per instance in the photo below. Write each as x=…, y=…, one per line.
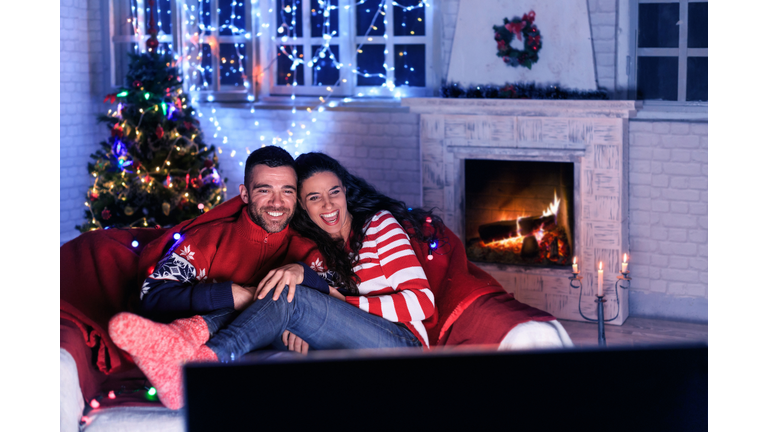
x=101, y=274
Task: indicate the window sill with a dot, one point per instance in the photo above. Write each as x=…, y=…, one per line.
x=389, y=105
x=658, y=111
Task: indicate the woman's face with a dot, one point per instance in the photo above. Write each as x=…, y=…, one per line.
x=325, y=200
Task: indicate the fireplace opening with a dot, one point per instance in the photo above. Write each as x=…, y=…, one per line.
x=519, y=212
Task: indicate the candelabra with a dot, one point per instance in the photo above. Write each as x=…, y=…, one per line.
x=600, y=300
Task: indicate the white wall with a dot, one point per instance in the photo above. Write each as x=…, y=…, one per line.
x=80, y=81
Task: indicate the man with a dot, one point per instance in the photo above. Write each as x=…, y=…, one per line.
x=213, y=269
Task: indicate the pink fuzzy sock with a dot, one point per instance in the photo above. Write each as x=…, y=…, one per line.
x=160, y=350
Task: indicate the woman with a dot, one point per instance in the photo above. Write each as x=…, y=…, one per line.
x=370, y=265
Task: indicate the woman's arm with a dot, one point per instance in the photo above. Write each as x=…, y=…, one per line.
x=403, y=294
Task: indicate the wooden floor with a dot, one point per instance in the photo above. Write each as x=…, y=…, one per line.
x=637, y=332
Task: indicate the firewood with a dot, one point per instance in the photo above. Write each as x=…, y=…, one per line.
x=509, y=228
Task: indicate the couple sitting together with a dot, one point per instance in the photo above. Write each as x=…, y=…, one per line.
x=343, y=275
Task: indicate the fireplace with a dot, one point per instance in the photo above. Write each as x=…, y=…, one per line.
x=519, y=212
x=575, y=149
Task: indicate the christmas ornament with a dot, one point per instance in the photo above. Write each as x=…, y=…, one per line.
x=159, y=131
x=106, y=214
x=112, y=97
x=523, y=30
x=166, y=208
x=128, y=211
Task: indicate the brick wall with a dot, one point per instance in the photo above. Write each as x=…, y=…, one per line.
x=381, y=146
x=602, y=19
x=80, y=88
x=668, y=219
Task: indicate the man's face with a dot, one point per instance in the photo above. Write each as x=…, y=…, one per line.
x=271, y=196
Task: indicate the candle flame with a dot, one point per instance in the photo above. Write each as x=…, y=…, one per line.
x=574, y=260
x=625, y=257
x=601, y=265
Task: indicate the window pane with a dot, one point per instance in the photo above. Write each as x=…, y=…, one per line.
x=657, y=25
x=162, y=15
x=366, y=12
x=697, y=25
x=289, y=18
x=320, y=22
x=232, y=64
x=409, y=22
x=286, y=76
x=231, y=19
x=324, y=73
x=370, y=60
x=165, y=48
x=207, y=64
x=124, y=20
x=410, y=65
x=696, y=81
x=657, y=78
x=204, y=15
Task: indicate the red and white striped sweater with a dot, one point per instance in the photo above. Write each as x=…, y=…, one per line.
x=392, y=282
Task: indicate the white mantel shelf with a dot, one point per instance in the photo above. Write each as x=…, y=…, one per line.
x=591, y=134
x=524, y=107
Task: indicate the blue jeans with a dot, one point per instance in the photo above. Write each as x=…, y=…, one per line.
x=322, y=321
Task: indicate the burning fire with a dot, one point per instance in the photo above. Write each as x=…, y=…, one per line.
x=517, y=242
x=553, y=207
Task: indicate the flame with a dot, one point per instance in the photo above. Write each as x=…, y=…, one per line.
x=574, y=260
x=601, y=265
x=553, y=207
x=625, y=257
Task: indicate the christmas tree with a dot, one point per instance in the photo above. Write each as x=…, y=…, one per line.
x=154, y=169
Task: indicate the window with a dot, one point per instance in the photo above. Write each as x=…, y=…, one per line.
x=128, y=25
x=348, y=47
x=217, y=52
x=670, y=48
x=299, y=48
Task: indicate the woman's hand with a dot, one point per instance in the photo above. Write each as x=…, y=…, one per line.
x=295, y=343
x=289, y=274
x=335, y=293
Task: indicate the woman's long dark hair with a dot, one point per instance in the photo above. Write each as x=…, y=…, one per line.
x=363, y=202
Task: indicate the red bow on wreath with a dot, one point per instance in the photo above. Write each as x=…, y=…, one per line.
x=530, y=16
x=516, y=28
x=112, y=97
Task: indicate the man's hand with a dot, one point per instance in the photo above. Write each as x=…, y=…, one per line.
x=290, y=274
x=295, y=343
x=243, y=296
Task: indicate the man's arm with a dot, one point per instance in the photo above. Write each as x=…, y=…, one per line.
x=177, y=288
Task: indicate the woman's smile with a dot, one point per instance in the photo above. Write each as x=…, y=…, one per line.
x=325, y=200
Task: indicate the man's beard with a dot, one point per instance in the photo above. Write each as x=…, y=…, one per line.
x=270, y=227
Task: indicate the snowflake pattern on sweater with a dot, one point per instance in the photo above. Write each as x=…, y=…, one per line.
x=174, y=268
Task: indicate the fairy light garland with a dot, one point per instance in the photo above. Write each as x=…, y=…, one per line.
x=195, y=72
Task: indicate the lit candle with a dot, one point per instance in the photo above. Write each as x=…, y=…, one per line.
x=575, y=266
x=600, y=280
x=624, y=264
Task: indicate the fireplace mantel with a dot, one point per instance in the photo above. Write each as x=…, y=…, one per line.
x=592, y=134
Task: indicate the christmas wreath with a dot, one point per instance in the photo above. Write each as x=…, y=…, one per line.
x=524, y=30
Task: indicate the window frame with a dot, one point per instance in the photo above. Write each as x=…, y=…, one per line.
x=682, y=52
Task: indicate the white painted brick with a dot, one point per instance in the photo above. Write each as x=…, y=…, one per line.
x=643, y=139
x=660, y=154
x=657, y=286
x=680, y=141
x=659, y=261
x=640, y=179
x=679, y=128
x=660, y=181
x=605, y=59
x=682, y=249
x=679, y=221
x=703, y=250
x=700, y=183
x=679, y=263
x=700, y=128
x=681, y=156
x=639, y=204
x=689, y=169
x=660, y=206
x=680, y=275
x=697, y=209
x=703, y=222
x=640, y=126
x=640, y=191
x=678, y=182
x=678, y=235
x=661, y=127
x=657, y=167
x=640, y=217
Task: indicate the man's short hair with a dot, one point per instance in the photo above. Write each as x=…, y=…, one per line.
x=271, y=156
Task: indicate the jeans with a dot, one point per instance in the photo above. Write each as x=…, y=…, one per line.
x=322, y=321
